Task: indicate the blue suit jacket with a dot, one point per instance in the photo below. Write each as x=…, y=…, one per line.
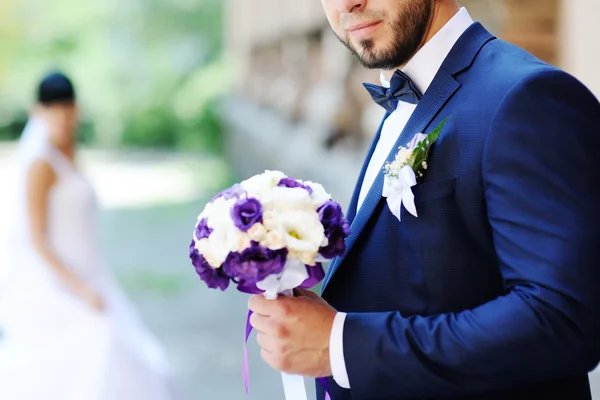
x=493, y=291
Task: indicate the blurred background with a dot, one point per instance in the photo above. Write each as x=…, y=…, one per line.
x=181, y=98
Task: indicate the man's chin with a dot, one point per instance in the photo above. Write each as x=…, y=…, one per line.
x=370, y=61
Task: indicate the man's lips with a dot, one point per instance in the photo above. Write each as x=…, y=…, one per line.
x=361, y=30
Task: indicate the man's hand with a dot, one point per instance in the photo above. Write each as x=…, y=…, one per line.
x=294, y=332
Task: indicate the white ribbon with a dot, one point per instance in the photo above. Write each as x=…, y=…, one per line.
x=293, y=274
x=293, y=387
x=398, y=191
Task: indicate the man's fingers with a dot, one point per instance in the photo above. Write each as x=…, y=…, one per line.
x=259, y=305
x=275, y=361
x=281, y=307
x=265, y=342
x=259, y=322
x=300, y=292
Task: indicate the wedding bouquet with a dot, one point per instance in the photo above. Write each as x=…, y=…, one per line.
x=269, y=234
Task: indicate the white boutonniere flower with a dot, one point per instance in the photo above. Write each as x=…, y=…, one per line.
x=407, y=168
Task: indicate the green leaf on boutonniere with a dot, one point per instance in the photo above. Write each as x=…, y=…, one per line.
x=414, y=155
x=421, y=152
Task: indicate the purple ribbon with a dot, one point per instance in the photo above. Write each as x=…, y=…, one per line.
x=315, y=275
x=245, y=374
x=325, y=383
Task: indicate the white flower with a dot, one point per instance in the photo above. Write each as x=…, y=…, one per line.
x=394, y=168
x=288, y=199
x=403, y=155
x=319, y=195
x=270, y=220
x=243, y=243
x=203, y=247
x=403, y=172
x=260, y=185
x=218, y=212
x=308, y=258
x=274, y=240
x=294, y=254
x=257, y=232
x=274, y=176
x=303, y=231
x=225, y=236
x=221, y=242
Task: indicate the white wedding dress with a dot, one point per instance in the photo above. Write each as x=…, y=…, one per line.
x=53, y=346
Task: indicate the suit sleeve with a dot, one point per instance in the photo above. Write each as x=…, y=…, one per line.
x=541, y=179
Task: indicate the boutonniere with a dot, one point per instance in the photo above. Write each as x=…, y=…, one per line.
x=409, y=166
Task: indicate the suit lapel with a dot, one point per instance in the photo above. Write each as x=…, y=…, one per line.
x=351, y=212
x=441, y=90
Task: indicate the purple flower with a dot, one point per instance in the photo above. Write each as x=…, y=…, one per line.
x=292, y=183
x=246, y=287
x=337, y=244
x=202, y=229
x=336, y=229
x=332, y=217
x=214, y=278
x=231, y=193
x=246, y=213
x=416, y=140
x=253, y=265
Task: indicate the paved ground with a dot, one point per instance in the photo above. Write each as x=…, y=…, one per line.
x=150, y=203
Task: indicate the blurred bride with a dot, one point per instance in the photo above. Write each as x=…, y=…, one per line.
x=68, y=332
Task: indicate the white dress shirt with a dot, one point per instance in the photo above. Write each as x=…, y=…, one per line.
x=422, y=69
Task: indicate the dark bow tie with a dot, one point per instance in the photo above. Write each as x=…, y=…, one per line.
x=401, y=89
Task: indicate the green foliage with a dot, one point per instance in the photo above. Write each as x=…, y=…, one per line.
x=13, y=128
x=161, y=128
x=148, y=73
x=421, y=152
x=204, y=133
x=152, y=127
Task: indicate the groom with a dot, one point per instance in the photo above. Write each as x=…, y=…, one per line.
x=493, y=290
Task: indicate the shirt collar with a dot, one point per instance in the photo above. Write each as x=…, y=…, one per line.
x=425, y=64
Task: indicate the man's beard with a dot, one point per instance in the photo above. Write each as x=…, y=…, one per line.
x=409, y=30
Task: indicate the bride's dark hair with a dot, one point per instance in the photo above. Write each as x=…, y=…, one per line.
x=55, y=87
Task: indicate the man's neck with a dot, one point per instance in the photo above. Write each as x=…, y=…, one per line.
x=442, y=13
